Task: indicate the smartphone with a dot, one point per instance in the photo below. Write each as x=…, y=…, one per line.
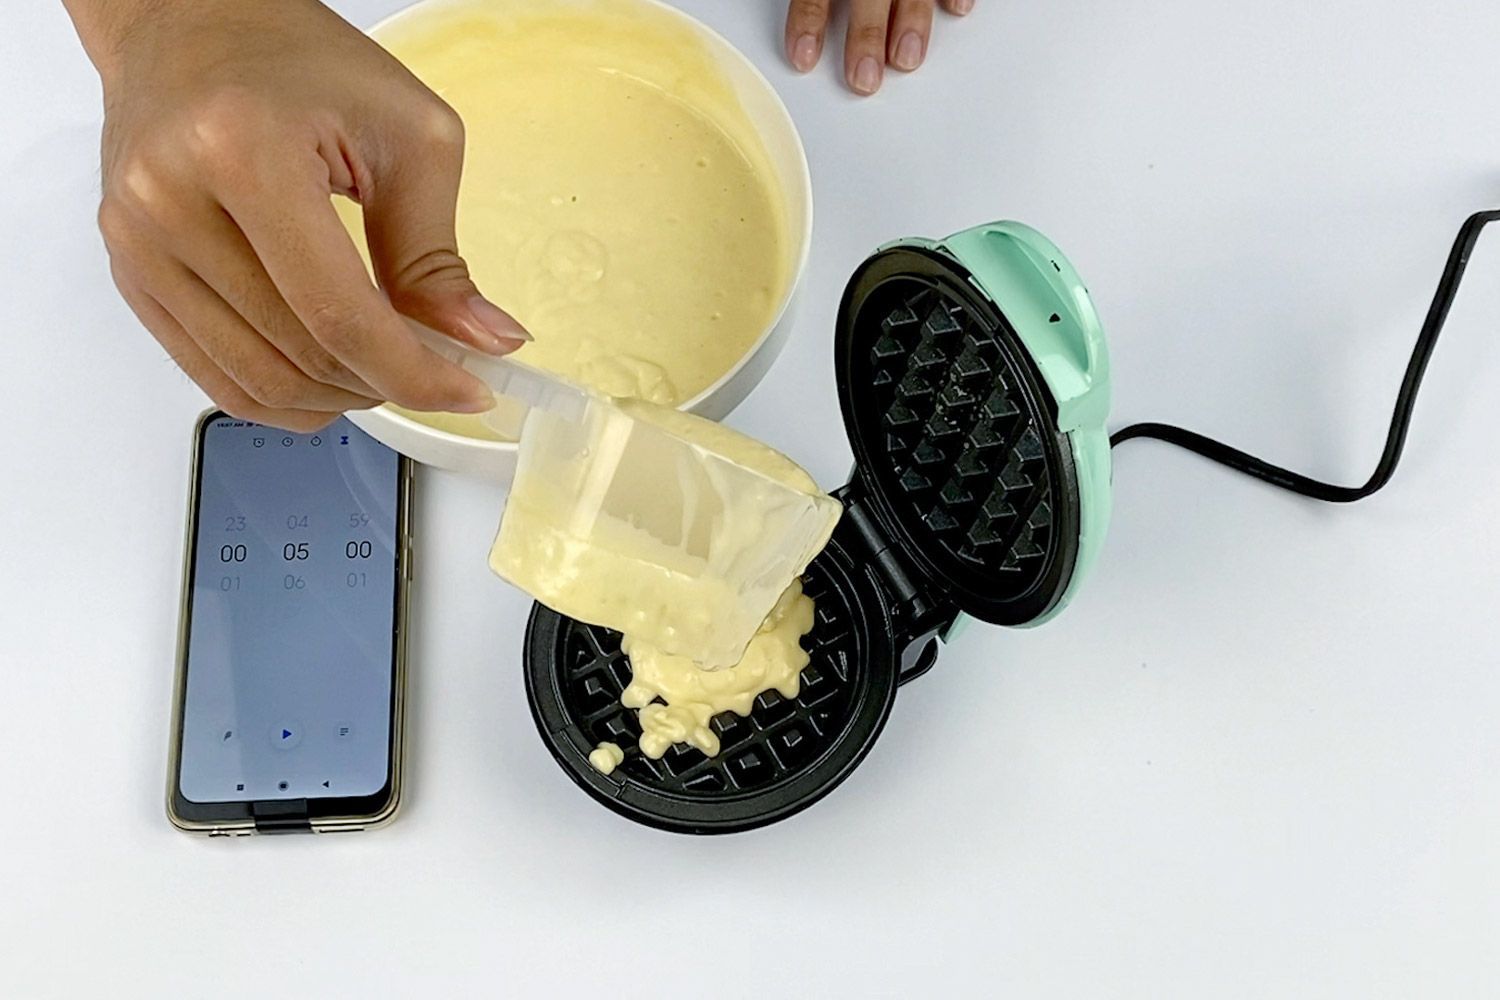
x=291, y=661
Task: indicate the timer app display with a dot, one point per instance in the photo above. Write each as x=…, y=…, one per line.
x=292, y=630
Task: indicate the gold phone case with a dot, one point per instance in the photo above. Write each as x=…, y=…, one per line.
x=322, y=824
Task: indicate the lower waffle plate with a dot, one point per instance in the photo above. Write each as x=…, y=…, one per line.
x=786, y=755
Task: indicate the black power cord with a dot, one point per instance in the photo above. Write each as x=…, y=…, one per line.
x=1406, y=399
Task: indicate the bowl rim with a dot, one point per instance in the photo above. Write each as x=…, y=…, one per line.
x=799, y=260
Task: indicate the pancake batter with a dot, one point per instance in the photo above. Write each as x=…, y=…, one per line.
x=730, y=602
x=615, y=522
x=616, y=199
x=606, y=757
x=693, y=696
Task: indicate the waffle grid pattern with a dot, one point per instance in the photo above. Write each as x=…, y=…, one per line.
x=779, y=739
x=968, y=462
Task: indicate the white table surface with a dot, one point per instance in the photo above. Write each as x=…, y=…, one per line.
x=1258, y=757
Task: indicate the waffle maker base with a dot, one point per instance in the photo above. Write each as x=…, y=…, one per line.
x=782, y=758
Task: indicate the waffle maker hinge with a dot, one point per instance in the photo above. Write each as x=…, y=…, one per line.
x=919, y=617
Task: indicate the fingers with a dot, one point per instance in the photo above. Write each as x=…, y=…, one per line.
x=865, y=45
x=223, y=390
x=911, y=27
x=806, y=28
x=238, y=349
x=311, y=259
x=409, y=224
x=881, y=32
x=228, y=356
x=222, y=258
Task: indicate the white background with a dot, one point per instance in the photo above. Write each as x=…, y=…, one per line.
x=1257, y=758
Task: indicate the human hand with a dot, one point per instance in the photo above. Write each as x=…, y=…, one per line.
x=880, y=33
x=228, y=127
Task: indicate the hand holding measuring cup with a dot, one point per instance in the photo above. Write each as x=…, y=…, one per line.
x=228, y=128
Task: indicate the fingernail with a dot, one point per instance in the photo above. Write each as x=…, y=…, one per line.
x=498, y=329
x=805, y=53
x=962, y=7
x=482, y=401
x=867, y=76
x=909, y=51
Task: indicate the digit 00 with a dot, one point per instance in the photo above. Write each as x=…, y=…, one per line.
x=357, y=550
x=232, y=553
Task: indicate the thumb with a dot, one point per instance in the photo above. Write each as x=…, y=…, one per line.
x=409, y=225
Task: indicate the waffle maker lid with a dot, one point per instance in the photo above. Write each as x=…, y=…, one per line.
x=973, y=380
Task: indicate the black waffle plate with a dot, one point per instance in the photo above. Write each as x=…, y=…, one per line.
x=786, y=755
x=955, y=437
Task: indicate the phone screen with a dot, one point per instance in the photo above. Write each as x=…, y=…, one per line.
x=291, y=642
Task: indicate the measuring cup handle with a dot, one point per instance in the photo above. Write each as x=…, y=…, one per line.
x=519, y=388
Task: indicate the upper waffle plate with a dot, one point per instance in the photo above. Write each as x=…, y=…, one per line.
x=955, y=436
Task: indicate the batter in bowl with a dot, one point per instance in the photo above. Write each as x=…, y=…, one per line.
x=616, y=199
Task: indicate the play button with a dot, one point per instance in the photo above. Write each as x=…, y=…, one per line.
x=286, y=735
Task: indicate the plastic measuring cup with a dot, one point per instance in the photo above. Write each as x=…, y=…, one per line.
x=674, y=530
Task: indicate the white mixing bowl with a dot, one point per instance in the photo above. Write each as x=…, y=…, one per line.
x=496, y=460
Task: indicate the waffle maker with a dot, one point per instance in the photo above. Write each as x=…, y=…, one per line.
x=974, y=385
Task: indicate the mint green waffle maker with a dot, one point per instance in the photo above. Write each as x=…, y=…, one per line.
x=974, y=384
